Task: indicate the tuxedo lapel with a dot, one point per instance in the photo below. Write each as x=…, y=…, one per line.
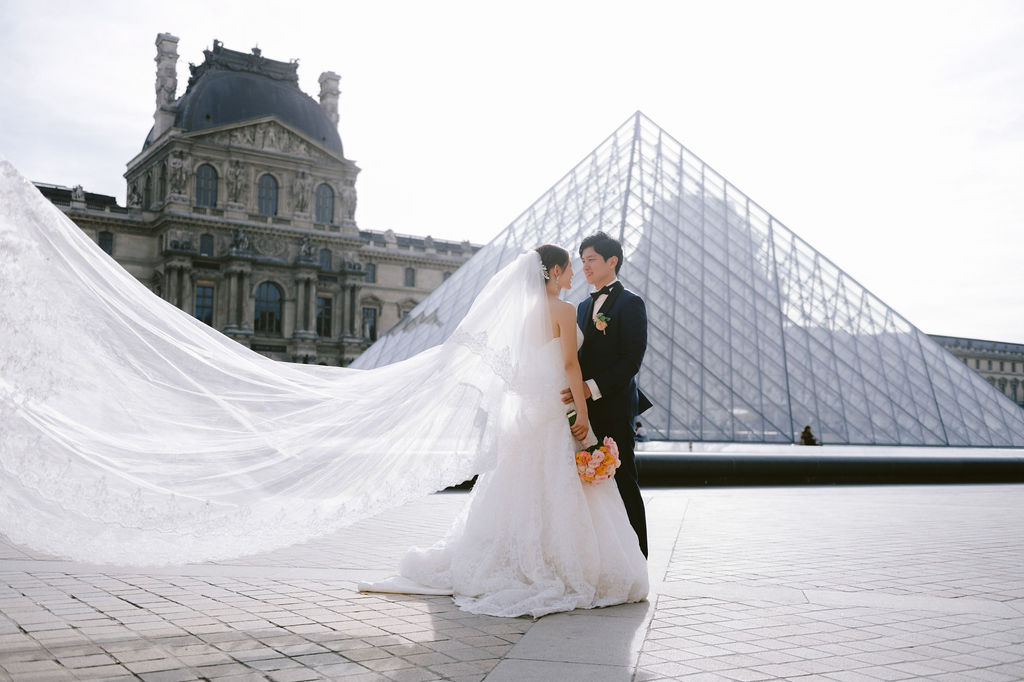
x=609, y=303
x=588, y=320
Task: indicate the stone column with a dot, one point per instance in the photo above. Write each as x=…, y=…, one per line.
x=353, y=313
x=311, y=305
x=329, y=95
x=166, y=82
x=246, y=303
x=300, y=298
x=233, y=313
x=171, y=277
x=188, y=298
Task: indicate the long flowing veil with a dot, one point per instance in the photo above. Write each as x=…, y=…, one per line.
x=133, y=433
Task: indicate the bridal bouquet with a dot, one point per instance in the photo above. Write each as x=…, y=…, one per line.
x=595, y=462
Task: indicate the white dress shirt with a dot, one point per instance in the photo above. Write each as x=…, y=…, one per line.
x=595, y=394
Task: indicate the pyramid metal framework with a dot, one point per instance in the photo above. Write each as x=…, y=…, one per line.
x=753, y=334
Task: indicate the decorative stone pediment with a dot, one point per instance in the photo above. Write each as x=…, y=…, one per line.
x=267, y=135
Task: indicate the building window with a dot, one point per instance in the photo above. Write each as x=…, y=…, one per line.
x=147, y=193
x=206, y=245
x=445, y=275
x=324, y=317
x=204, y=303
x=410, y=277
x=370, y=323
x=325, y=259
x=267, y=195
x=268, y=309
x=371, y=273
x=106, y=242
x=990, y=365
x=206, y=185
x=324, y=204
x=1001, y=368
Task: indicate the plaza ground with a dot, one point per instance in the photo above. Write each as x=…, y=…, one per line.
x=836, y=583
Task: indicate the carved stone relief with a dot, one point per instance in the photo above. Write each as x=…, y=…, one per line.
x=268, y=136
x=179, y=239
x=178, y=174
x=307, y=252
x=240, y=240
x=348, y=200
x=301, y=188
x=134, y=196
x=238, y=183
x=274, y=247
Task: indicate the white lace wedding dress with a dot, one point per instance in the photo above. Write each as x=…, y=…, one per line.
x=532, y=538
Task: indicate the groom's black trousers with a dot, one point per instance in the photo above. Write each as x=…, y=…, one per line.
x=627, y=480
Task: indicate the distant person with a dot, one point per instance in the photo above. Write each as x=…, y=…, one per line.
x=807, y=438
x=641, y=433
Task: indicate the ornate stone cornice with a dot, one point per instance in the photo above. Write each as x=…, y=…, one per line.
x=378, y=255
x=222, y=59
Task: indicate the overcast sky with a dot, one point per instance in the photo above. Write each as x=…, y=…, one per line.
x=889, y=135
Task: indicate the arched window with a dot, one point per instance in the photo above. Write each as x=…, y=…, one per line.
x=325, y=259
x=206, y=185
x=370, y=322
x=268, y=309
x=371, y=273
x=267, y=195
x=324, y=204
x=410, y=277
x=206, y=245
x=106, y=242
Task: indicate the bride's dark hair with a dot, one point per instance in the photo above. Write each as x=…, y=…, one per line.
x=550, y=256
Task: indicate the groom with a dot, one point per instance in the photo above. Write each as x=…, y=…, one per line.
x=614, y=324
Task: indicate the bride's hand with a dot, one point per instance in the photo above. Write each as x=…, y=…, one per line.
x=579, y=430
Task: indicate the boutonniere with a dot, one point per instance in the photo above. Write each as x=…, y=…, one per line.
x=601, y=322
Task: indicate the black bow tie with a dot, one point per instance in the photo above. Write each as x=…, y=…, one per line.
x=604, y=290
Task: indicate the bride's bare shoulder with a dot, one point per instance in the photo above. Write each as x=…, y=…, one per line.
x=560, y=310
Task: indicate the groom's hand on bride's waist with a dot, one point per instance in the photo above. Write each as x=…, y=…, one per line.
x=567, y=393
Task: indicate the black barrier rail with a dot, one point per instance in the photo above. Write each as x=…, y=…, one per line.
x=724, y=469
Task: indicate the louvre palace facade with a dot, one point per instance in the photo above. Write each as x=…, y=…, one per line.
x=999, y=363
x=241, y=210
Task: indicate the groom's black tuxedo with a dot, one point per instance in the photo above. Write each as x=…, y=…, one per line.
x=612, y=359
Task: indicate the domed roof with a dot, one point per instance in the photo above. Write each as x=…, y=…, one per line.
x=231, y=87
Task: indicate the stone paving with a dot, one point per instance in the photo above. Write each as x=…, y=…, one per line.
x=835, y=583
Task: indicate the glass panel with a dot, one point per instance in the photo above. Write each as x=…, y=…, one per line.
x=204, y=303
x=324, y=316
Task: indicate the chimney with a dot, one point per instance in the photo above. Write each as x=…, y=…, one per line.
x=329, y=94
x=166, y=82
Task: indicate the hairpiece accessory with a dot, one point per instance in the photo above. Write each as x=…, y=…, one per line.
x=544, y=271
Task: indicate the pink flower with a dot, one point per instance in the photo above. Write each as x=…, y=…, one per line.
x=598, y=462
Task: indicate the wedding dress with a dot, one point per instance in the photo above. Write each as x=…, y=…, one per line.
x=532, y=538
x=134, y=434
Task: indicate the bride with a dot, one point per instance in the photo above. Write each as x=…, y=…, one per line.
x=533, y=539
x=135, y=434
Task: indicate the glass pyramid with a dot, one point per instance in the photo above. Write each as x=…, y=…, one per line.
x=753, y=334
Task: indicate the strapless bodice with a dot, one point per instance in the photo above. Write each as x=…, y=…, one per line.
x=579, y=339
